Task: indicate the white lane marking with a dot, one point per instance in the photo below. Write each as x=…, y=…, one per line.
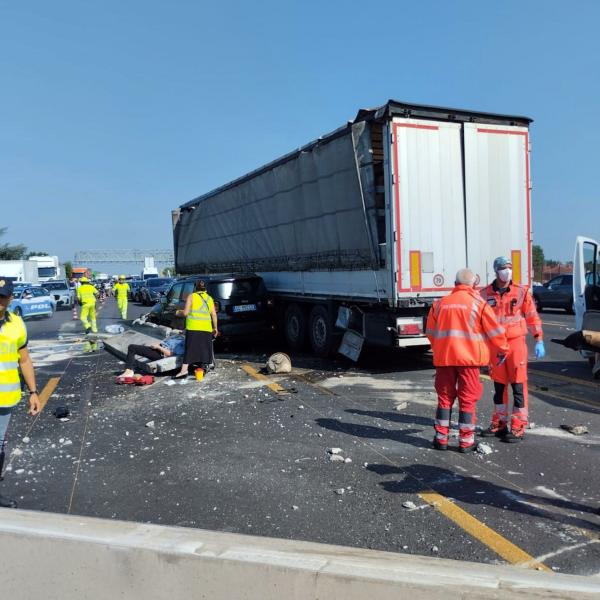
x=545, y=557
x=585, y=440
x=550, y=493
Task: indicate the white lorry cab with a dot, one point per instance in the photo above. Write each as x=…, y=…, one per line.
x=48, y=267
x=586, y=287
x=359, y=231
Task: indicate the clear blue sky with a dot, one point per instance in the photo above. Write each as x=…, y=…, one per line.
x=115, y=112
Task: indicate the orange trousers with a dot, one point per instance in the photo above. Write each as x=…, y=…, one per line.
x=513, y=372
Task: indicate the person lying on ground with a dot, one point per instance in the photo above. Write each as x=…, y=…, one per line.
x=171, y=346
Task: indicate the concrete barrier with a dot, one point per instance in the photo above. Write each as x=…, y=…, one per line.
x=57, y=556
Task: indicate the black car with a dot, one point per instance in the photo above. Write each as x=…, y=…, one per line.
x=556, y=293
x=134, y=288
x=154, y=289
x=240, y=301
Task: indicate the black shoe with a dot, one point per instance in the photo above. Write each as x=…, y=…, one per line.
x=467, y=449
x=493, y=432
x=182, y=376
x=511, y=438
x=88, y=330
x=7, y=502
x=439, y=446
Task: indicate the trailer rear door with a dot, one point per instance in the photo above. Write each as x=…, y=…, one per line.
x=498, y=211
x=428, y=206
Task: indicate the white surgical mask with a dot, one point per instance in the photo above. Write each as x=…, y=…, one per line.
x=504, y=275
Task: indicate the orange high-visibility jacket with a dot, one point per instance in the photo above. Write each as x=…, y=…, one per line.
x=460, y=327
x=515, y=310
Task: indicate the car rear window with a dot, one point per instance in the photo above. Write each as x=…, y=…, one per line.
x=240, y=288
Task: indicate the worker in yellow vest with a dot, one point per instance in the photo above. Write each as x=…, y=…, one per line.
x=121, y=290
x=87, y=294
x=13, y=356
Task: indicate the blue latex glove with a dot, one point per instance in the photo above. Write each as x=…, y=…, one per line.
x=540, y=350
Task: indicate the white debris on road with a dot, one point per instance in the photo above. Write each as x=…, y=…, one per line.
x=336, y=458
x=484, y=448
x=334, y=450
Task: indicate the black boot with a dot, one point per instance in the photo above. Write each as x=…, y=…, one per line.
x=5, y=502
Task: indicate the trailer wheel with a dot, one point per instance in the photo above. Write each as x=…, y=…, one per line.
x=295, y=327
x=320, y=331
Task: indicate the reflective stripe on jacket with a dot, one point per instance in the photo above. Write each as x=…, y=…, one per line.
x=515, y=310
x=199, y=317
x=13, y=336
x=86, y=293
x=460, y=327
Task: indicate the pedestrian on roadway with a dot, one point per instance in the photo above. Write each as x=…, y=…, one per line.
x=171, y=346
x=460, y=327
x=13, y=356
x=121, y=291
x=86, y=295
x=515, y=310
x=200, y=328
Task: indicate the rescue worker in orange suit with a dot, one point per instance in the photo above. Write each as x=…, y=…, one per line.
x=461, y=328
x=515, y=310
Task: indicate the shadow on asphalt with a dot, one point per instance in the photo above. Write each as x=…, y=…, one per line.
x=416, y=478
x=403, y=436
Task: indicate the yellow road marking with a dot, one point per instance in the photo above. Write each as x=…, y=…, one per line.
x=47, y=391
x=554, y=393
x=274, y=387
x=565, y=378
x=499, y=544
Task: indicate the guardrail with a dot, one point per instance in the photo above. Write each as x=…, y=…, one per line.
x=68, y=557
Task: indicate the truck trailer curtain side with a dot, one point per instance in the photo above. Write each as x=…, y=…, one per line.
x=312, y=211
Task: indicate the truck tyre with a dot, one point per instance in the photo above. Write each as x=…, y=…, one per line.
x=320, y=331
x=295, y=327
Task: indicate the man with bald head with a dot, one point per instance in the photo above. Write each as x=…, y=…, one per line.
x=461, y=328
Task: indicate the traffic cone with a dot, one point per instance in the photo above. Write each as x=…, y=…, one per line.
x=75, y=317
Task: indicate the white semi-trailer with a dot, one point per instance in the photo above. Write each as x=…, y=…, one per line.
x=19, y=270
x=362, y=229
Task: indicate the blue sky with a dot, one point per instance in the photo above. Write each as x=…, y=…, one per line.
x=113, y=113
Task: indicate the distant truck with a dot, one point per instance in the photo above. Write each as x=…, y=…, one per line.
x=149, y=269
x=48, y=267
x=19, y=270
x=79, y=272
x=362, y=229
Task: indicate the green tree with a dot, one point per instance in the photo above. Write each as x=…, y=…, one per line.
x=537, y=257
x=30, y=254
x=8, y=252
x=68, y=269
x=168, y=272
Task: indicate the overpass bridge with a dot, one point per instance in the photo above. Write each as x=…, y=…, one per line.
x=128, y=260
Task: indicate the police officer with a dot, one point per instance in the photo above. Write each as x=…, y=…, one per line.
x=13, y=356
x=515, y=310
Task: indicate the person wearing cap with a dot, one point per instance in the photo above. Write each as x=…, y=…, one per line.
x=121, y=290
x=87, y=294
x=462, y=329
x=515, y=310
x=13, y=356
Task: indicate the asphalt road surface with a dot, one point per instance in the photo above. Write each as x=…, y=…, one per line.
x=241, y=453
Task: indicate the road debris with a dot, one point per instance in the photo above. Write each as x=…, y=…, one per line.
x=410, y=505
x=484, y=448
x=150, y=425
x=17, y=452
x=575, y=429
x=60, y=412
x=26, y=440
x=336, y=458
x=294, y=507
x=334, y=450
x=340, y=491
x=400, y=406
x=347, y=460
x=279, y=363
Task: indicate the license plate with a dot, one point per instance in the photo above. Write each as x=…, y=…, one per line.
x=244, y=308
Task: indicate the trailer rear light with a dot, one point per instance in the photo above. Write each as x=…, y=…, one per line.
x=409, y=326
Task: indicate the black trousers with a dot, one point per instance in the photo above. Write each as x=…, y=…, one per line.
x=140, y=350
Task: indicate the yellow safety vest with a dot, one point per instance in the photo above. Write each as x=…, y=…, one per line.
x=199, y=317
x=13, y=336
x=121, y=289
x=86, y=293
